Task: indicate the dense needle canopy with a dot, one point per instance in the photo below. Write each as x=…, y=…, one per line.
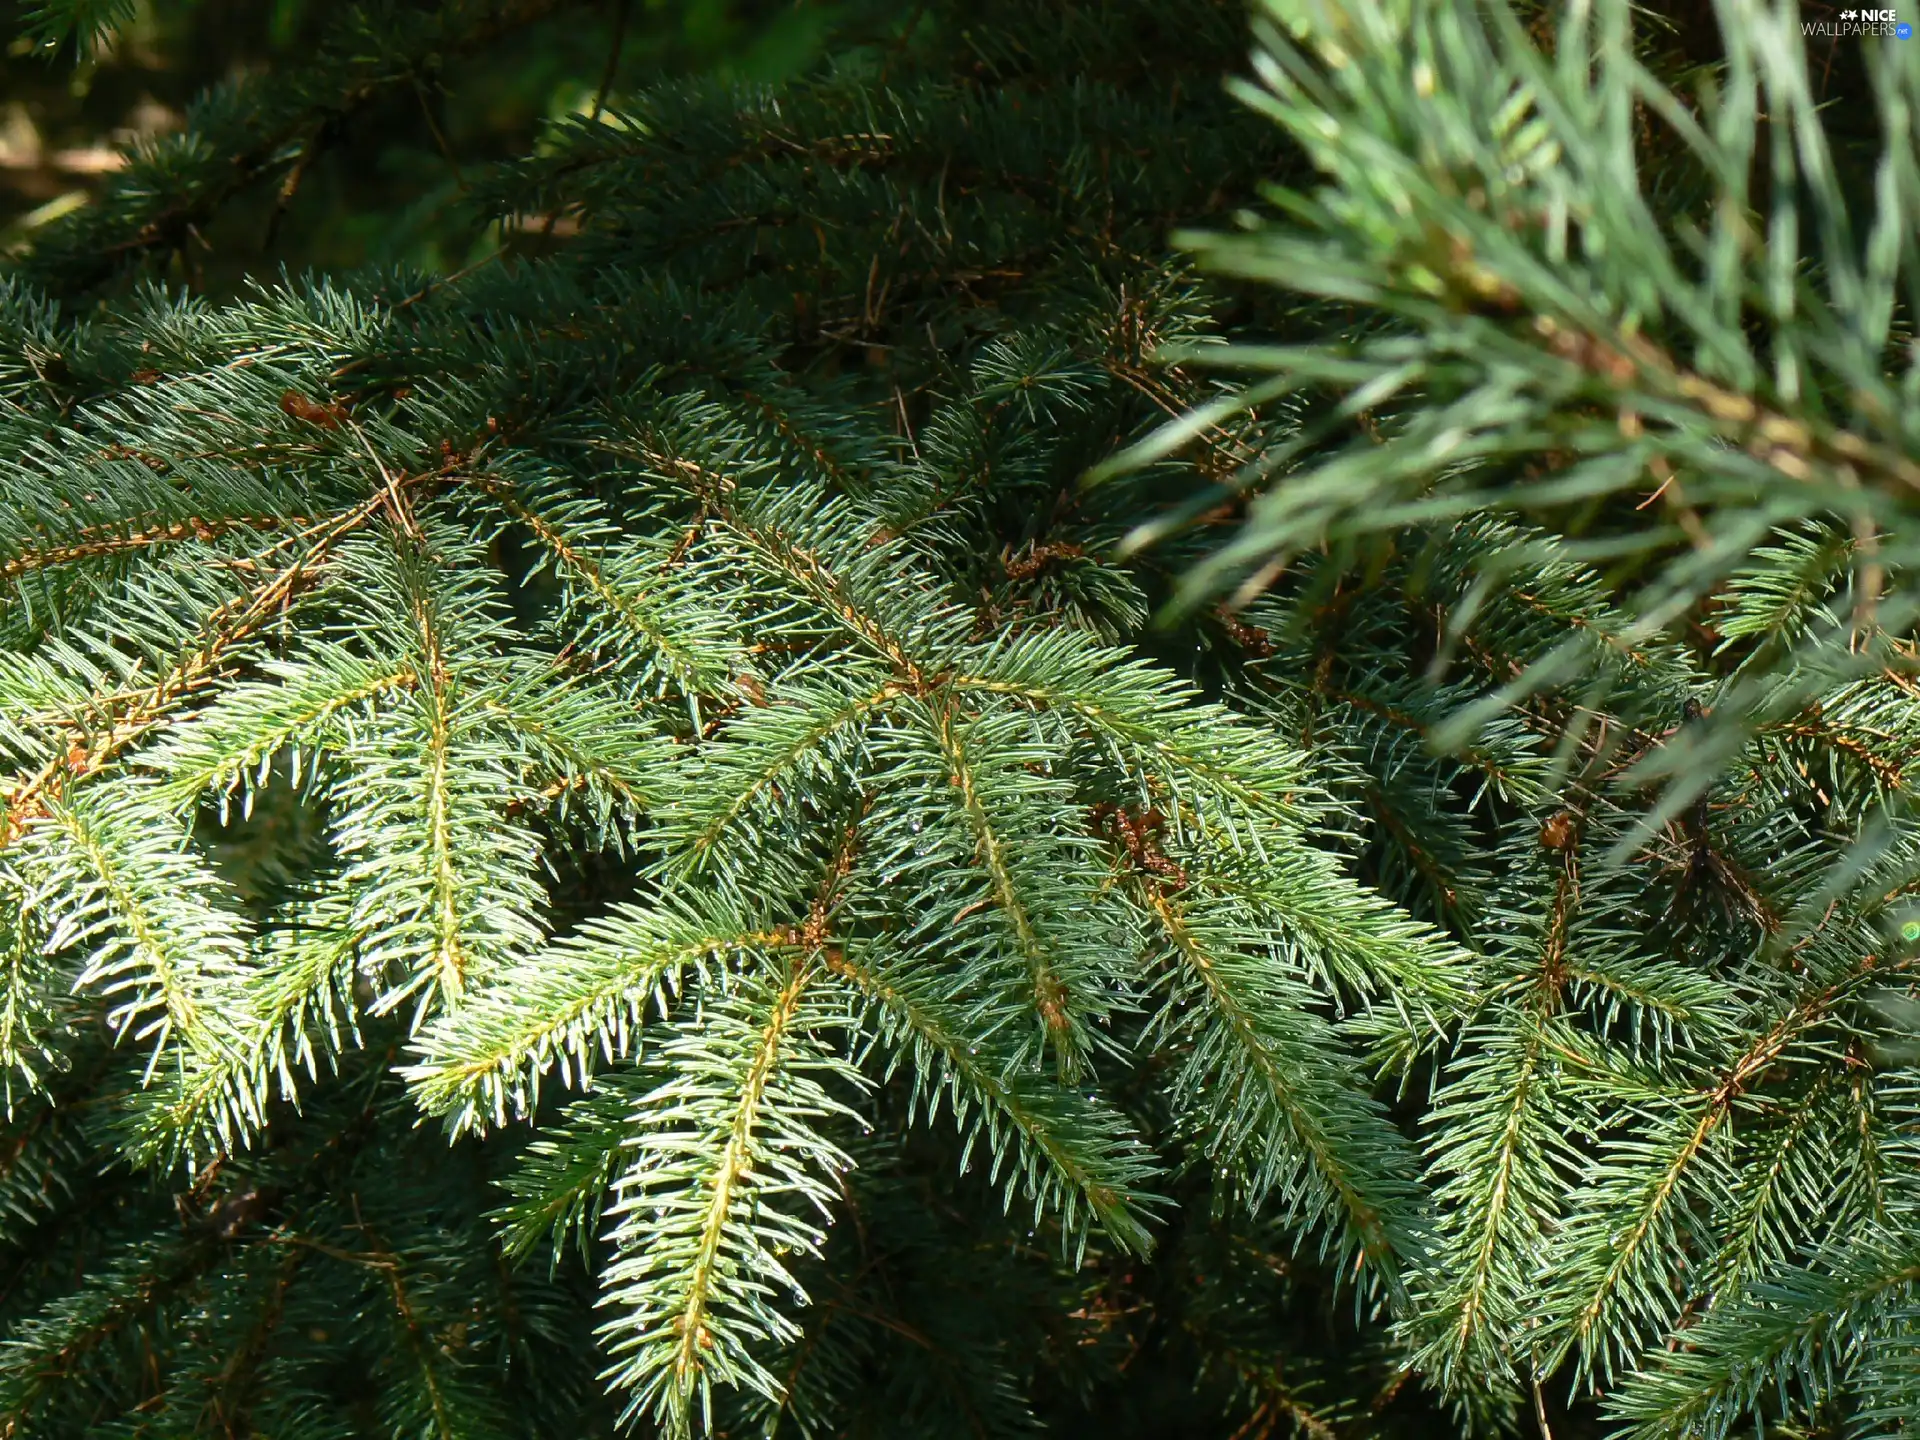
x=786, y=801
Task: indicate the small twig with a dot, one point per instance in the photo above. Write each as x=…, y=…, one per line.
x=437, y=284
x=901, y=41
x=439, y=138
x=308, y=153
x=613, y=60
x=906, y=423
x=396, y=503
x=372, y=1261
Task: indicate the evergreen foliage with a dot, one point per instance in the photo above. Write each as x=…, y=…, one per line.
x=611, y=841
x=1607, y=383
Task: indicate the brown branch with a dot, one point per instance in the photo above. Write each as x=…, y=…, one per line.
x=97, y=542
x=204, y=661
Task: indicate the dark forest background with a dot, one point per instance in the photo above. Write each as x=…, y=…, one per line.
x=385, y=183
x=384, y=186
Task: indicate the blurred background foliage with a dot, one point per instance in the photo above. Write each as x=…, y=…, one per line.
x=385, y=187
x=385, y=184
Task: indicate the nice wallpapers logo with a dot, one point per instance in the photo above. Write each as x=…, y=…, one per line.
x=1861, y=22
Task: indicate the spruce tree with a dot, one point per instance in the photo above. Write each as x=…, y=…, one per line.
x=627, y=839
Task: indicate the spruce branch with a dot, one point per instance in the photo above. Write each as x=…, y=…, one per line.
x=587, y=995
x=1802, y=1331
x=726, y=1165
